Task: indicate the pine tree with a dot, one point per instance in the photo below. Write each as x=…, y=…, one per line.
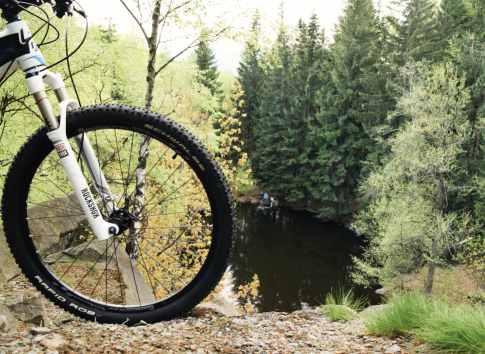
x=251, y=78
x=352, y=107
x=208, y=74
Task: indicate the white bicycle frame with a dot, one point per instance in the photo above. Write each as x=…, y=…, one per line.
x=38, y=77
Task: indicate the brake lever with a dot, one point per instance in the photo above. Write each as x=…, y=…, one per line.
x=62, y=10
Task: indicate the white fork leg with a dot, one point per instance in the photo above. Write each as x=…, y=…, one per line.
x=101, y=228
x=55, y=82
x=97, y=174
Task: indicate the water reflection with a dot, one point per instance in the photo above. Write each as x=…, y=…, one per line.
x=297, y=258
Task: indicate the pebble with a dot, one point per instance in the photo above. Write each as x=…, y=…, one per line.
x=4, y=323
x=394, y=349
x=53, y=341
x=40, y=330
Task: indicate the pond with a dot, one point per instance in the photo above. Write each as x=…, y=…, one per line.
x=297, y=258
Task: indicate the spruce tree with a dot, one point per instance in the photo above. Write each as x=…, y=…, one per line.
x=468, y=56
x=251, y=78
x=270, y=160
x=308, y=72
x=478, y=20
x=208, y=74
x=352, y=108
x=453, y=21
x=453, y=17
x=416, y=37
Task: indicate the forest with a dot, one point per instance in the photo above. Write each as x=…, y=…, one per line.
x=378, y=126
x=381, y=127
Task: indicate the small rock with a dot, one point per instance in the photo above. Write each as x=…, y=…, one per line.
x=7, y=320
x=53, y=341
x=40, y=330
x=28, y=308
x=393, y=349
x=382, y=291
x=4, y=324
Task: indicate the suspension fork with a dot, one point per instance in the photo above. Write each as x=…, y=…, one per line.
x=57, y=135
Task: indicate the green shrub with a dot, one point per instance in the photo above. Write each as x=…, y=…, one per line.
x=404, y=314
x=455, y=330
x=342, y=305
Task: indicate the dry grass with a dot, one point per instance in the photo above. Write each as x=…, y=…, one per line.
x=454, y=285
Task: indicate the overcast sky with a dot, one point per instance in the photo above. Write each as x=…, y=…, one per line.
x=238, y=13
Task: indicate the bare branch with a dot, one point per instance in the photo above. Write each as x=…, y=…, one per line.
x=175, y=9
x=193, y=44
x=163, y=21
x=136, y=19
x=176, y=56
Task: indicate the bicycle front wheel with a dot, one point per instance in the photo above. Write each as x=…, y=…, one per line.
x=169, y=197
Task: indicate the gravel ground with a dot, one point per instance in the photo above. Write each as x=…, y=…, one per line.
x=306, y=331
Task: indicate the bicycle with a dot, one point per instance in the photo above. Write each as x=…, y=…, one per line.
x=114, y=213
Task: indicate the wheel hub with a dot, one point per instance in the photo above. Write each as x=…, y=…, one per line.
x=123, y=218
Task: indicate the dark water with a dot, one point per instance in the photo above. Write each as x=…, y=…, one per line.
x=297, y=258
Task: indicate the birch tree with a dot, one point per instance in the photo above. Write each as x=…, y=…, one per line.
x=156, y=21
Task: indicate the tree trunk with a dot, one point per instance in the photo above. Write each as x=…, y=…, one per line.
x=428, y=284
x=144, y=152
x=441, y=205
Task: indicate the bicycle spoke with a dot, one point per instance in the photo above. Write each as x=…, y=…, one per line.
x=129, y=169
x=147, y=175
x=134, y=279
x=116, y=244
x=55, y=217
x=163, y=184
x=148, y=274
x=77, y=257
x=125, y=186
x=92, y=267
x=168, y=249
x=170, y=199
x=104, y=272
x=172, y=193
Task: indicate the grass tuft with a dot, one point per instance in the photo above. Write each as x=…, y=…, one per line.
x=455, y=330
x=459, y=329
x=342, y=305
x=404, y=314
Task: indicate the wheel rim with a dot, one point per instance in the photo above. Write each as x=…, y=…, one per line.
x=167, y=240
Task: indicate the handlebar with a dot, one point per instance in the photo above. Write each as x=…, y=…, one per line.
x=12, y=8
